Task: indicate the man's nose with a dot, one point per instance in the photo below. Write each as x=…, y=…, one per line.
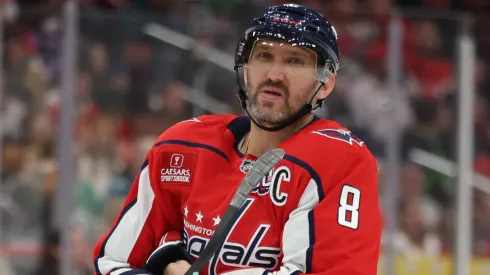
x=276, y=72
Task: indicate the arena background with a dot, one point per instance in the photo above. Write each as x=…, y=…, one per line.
x=87, y=87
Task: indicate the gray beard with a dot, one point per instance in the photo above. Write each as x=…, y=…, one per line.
x=266, y=115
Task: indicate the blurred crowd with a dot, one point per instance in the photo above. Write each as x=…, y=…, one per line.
x=131, y=86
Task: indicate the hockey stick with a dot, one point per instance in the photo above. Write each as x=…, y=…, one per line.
x=259, y=170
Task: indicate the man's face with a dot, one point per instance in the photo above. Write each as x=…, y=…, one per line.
x=280, y=79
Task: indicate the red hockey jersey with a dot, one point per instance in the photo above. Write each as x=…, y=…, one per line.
x=316, y=212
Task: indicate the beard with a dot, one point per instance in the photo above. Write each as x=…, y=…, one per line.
x=266, y=112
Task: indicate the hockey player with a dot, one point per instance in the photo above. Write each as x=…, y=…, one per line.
x=316, y=212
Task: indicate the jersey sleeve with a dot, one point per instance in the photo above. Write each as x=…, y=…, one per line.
x=141, y=226
x=336, y=227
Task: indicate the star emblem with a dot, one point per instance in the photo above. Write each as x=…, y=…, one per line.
x=217, y=220
x=186, y=211
x=199, y=216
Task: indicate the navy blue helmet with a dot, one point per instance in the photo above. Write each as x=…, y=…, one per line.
x=299, y=26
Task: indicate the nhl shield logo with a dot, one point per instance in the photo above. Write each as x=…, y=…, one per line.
x=246, y=165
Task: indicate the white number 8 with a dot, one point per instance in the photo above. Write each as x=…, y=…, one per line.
x=352, y=207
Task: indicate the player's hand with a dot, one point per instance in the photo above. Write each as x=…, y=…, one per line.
x=177, y=268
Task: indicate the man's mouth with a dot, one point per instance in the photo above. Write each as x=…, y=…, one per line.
x=273, y=92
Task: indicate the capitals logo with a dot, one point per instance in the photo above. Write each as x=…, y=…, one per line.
x=253, y=251
x=340, y=134
x=262, y=187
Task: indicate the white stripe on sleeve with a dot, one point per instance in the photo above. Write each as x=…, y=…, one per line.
x=124, y=237
x=296, y=237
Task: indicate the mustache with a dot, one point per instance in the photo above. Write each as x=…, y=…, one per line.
x=275, y=84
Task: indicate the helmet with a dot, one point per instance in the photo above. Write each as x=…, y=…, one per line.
x=293, y=24
x=299, y=26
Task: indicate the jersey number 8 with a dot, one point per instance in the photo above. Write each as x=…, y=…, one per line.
x=348, y=215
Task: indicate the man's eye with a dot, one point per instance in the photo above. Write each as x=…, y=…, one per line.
x=264, y=56
x=296, y=61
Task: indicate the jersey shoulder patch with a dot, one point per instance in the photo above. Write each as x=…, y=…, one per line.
x=339, y=134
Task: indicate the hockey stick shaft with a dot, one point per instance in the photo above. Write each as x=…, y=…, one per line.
x=259, y=170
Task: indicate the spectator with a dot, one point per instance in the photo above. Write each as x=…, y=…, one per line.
x=415, y=240
x=433, y=70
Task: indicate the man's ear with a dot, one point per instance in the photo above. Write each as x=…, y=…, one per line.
x=327, y=88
